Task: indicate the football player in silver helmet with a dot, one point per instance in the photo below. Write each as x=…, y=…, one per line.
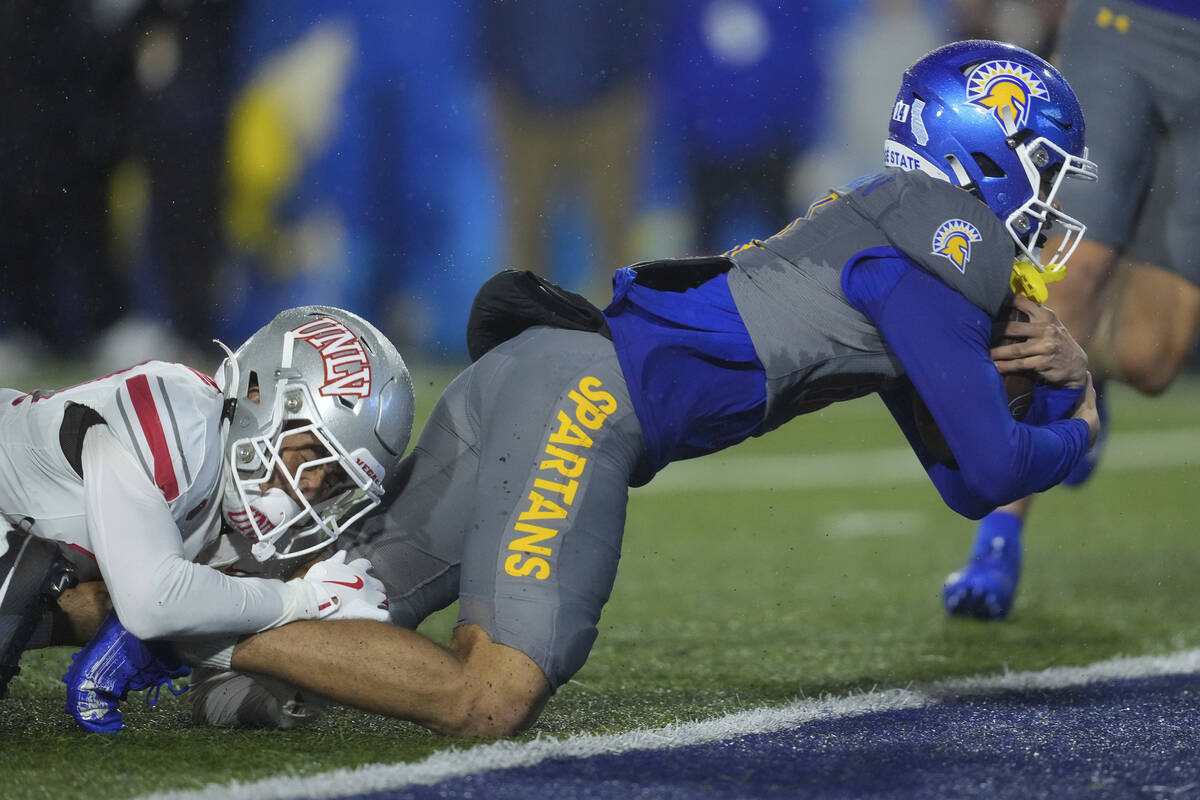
x=324, y=410
x=290, y=445
x=513, y=503
x=321, y=409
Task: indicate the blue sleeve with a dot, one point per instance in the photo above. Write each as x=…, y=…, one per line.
x=941, y=340
x=946, y=477
x=1051, y=403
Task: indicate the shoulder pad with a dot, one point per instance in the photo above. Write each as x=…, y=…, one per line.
x=170, y=414
x=944, y=229
x=180, y=375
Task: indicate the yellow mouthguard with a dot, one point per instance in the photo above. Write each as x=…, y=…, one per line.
x=1030, y=281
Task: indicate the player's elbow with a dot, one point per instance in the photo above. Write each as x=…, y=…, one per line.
x=485, y=727
x=956, y=494
x=489, y=714
x=973, y=509
x=990, y=484
x=484, y=689
x=499, y=690
x=968, y=504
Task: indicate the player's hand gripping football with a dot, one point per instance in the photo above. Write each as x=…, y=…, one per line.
x=1038, y=343
x=347, y=590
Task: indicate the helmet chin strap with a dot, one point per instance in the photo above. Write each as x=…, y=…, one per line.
x=232, y=375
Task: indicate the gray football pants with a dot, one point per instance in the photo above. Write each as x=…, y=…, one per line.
x=513, y=500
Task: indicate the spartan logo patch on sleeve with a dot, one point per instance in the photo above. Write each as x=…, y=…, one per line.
x=943, y=229
x=952, y=241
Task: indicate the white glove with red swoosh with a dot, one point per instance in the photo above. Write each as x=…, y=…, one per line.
x=346, y=591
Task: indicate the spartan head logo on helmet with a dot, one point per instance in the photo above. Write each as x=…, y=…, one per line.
x=1006, y=89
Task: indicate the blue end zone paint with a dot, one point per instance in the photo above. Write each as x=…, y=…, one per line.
x=1116, y=739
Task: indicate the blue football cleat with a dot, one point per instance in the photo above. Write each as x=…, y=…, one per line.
x=112, y=664
x=986, y=586
x=1087, y=465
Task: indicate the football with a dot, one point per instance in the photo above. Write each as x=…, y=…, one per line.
x=931, y=434
x=1019, y=388
x=1019, y=385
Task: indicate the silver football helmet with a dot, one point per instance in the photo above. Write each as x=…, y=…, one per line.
x=322, y=410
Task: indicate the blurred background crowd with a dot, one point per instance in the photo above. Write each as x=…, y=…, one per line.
x=179, y=170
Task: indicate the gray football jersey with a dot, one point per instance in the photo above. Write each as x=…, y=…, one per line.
x=815, y=346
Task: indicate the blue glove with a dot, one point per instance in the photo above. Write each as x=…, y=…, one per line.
x=112, y=664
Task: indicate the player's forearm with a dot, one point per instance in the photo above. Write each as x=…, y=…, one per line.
x=156, y=591
x=946, y=478
x=369, y=665
x=995, y=471
x=195, y=600
x=943, y=348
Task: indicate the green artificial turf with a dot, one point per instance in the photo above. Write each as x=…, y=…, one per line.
x=730, y=599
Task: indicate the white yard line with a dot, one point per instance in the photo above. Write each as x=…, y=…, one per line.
x=1179, y=447
x=890, y=522
x=1126, y=451
x=453, y=762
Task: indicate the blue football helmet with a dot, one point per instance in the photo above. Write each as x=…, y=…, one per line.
x=1002, y=123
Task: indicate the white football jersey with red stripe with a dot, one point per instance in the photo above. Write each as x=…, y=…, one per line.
x=167, y=415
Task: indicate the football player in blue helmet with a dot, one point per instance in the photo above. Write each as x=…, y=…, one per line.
x=1003, y=124
x=513, y=502
x=1132, y=299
